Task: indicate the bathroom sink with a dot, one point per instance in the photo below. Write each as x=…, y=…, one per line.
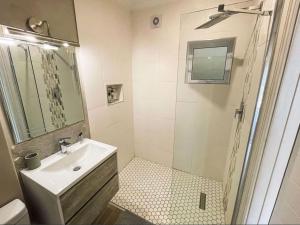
x=60, y=171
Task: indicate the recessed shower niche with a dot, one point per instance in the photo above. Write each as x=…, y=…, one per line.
x=114, y=93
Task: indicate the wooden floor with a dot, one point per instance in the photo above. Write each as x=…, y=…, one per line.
x=114, y=215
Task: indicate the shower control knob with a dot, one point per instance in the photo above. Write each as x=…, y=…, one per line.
x=240, y=112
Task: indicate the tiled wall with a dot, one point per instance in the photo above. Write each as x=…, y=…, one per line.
x=155, y=66
x=154, y=71
x=205, y=112
x=104, y=57
x=287, y=209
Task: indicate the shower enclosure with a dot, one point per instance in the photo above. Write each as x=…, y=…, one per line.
x=213, y=119
x=221, y=60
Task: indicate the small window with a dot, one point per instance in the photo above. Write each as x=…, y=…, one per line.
x=210, y=61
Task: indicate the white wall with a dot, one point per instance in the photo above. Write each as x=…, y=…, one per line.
x=287, y=209
x=155, y=53
x=155, y=66
x=105, y=58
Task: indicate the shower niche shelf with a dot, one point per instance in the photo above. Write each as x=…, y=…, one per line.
x=114, y=93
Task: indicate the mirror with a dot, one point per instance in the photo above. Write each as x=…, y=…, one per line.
x=40, y=89
x=210, y=61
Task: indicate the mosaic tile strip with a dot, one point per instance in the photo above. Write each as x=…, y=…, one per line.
x=163, y=195
x=250, y=60
x=54, y=94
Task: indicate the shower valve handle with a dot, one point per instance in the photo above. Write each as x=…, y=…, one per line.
x=240, y=112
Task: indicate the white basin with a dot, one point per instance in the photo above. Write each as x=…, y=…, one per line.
x=59, y=171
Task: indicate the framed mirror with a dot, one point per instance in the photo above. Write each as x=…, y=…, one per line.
x=209, y=61
x=40, y=89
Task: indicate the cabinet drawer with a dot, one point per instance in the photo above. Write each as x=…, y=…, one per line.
x=97, y=204
x=84, y=190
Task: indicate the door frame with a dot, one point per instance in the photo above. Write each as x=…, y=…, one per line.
x=277, y=128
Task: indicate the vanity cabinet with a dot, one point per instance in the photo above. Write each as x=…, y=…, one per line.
x=96, y=205
x=82, y=203
x=59, y=16
x=76, y=197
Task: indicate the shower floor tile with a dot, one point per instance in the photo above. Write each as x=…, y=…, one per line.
x=163, y=195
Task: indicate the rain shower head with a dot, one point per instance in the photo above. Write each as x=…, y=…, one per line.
x=214, y=19
x=226, y=13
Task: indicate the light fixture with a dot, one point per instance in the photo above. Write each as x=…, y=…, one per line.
x=5, y=31
x=7, y=41
x=49, y=47
x=66, y=45
x=30, y=38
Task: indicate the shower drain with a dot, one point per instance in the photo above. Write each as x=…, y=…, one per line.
x=202, y=202
x=76, y=168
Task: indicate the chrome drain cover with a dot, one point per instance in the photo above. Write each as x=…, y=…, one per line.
x=76, y=168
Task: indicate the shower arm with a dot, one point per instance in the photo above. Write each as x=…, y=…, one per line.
x=256, y=11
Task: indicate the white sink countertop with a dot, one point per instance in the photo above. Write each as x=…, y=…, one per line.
x=57, y=172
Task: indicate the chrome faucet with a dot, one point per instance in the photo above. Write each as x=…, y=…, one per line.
x=63, y=144
x=80, y=137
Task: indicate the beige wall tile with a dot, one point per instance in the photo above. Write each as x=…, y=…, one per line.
x=105, y=58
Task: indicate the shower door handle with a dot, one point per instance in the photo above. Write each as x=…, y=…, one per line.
x=240, y=112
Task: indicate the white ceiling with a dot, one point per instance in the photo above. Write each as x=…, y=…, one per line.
x=142, y=4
